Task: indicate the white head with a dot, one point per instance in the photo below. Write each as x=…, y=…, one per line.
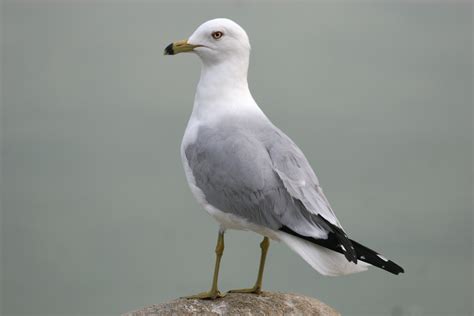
x=224, y=49
x=215, y=41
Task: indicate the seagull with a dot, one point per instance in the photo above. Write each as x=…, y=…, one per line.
x=248, y=174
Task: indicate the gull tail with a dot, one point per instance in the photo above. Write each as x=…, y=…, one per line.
x=321, y=259
x=330, y=256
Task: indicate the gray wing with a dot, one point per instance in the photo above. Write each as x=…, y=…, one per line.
x=261, y=176
x=297, y=175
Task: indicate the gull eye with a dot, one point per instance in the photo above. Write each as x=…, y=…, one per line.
x=217, y=35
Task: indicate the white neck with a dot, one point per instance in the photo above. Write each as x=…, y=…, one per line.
x=223, y=90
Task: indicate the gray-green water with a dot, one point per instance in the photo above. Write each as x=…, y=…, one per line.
x=97, y=216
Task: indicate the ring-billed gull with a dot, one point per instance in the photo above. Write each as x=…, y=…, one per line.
x=248, y=174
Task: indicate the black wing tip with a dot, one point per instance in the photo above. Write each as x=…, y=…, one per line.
x=391, y=267
x=338, y=235
x=396, y=268
x=368, y=255
x=337, y=241
x=352, y=250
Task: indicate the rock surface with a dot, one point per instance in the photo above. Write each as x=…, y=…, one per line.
x=267, y=303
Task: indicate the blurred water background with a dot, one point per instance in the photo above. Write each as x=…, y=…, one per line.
x=97, y=218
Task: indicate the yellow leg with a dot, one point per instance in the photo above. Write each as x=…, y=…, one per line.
x=257, y=288
x=214, y=292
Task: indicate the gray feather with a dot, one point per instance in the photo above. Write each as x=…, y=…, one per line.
x=253, y=170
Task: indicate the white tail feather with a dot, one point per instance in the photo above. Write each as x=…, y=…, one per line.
x=325, y=261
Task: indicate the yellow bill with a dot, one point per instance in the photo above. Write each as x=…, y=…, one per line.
x=179, y=47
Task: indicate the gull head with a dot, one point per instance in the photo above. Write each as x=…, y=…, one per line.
x=214, y=41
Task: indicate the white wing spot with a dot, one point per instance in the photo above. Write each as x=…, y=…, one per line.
x=382, y=257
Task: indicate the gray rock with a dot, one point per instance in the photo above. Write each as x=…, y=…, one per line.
x=267, y=303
